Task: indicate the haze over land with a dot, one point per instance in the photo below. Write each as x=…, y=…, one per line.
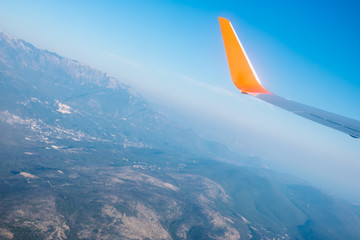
x=83, y=156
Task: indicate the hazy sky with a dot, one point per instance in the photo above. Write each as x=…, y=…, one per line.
x=172, y=52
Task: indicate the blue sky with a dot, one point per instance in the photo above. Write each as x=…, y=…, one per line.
x=172, y=53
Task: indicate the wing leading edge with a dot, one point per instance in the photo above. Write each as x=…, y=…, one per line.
x=245, y=79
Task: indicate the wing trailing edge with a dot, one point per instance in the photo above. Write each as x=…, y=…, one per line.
x=245, y=79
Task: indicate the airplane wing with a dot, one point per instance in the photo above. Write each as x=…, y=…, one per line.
x=245, y=79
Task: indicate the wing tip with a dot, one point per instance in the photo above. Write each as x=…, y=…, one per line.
x=223, y=19
x=242, y=73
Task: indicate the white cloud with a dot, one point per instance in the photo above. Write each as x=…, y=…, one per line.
x=63, y=108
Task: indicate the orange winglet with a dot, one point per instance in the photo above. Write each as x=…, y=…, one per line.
x=241, y=70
